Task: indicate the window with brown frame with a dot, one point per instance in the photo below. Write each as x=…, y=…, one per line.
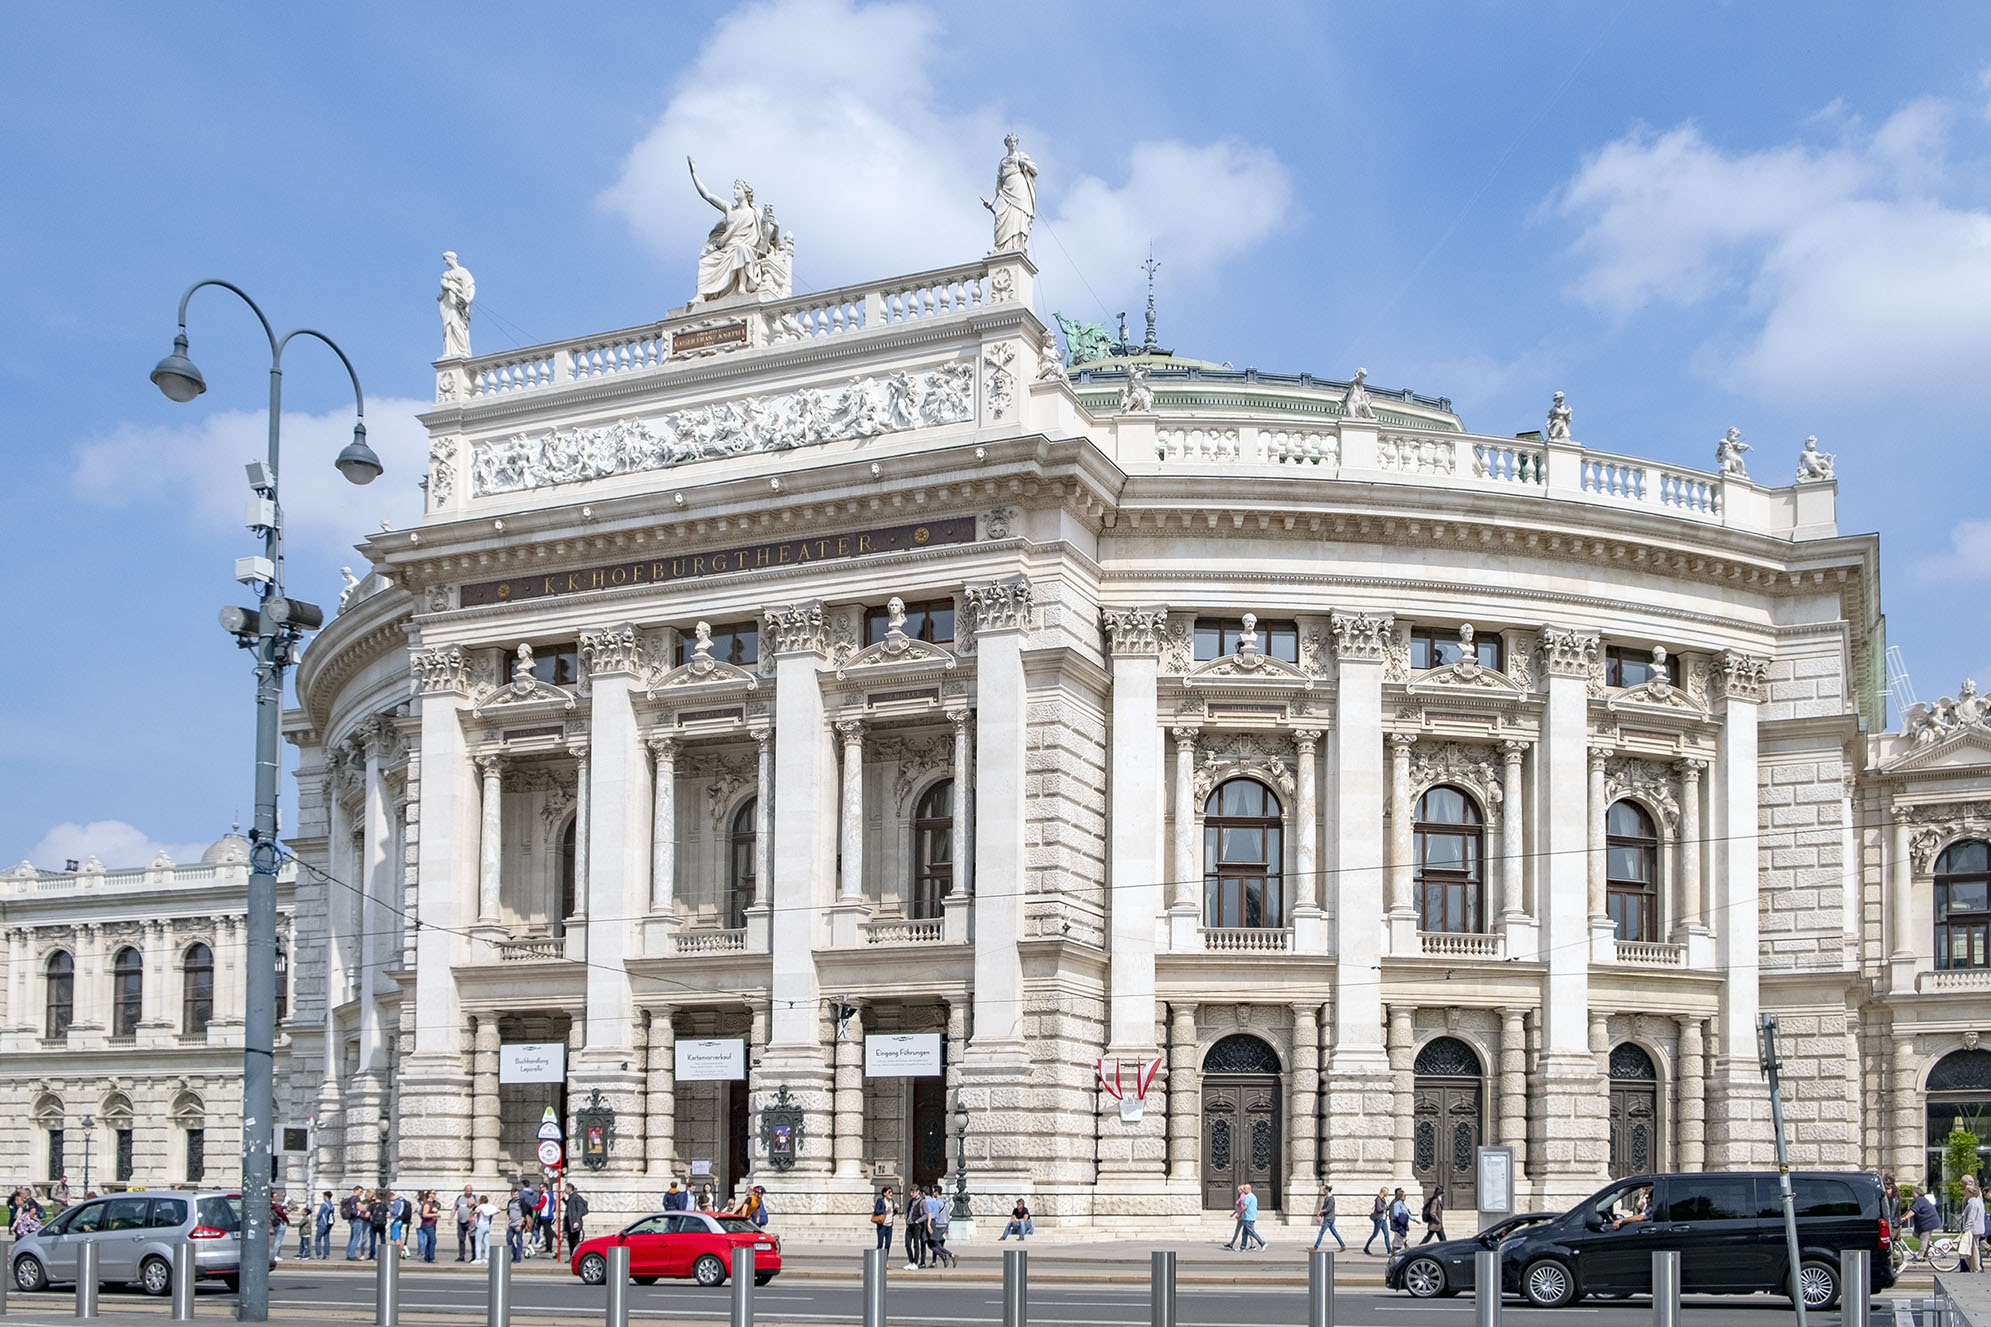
x=1217, y=637
x=1963, y=905
x=1631, y=874
x=197, y=990
x=1243, y=857
x=127, y=992
x=736, y=643
x=1450, y=851
x=931, y=621
x=61, y=995
x=933, y=850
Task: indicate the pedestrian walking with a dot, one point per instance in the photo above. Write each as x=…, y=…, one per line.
x=1325, y=1215
x=465, y=1208
x=279, y=1222
x=574, y=1216
x=915, y=1229
x=376, y=1222
x=352, y=1211
x=1379, y=1223
x=27, y=1214
x=487, y=1212
x=1248, y=1221
x=1399, y=1223
x=883, y=1209
x=58, y=1196
x=937, y=1213
x=1434, y=1214
x=1973, y=1225
x=515, y=1210
x=1237, y=1219
x=397, y=1224
x=327, y=1217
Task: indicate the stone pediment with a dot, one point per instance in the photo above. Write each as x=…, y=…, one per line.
x=1656, y=697
x=1965, y=748
x=1248, y=667
x=701, y=670
x=524, y=690
x=1466, y=677
x=897, y=651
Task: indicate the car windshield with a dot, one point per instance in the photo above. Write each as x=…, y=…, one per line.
x=1517, y=1225
x=738, y=1225
x=224, y=1214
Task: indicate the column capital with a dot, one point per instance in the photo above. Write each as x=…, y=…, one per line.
x=1567, y=652
x=1002, y=605
x=665, y=749
x=1134, y=631
x=851, y=731
x=1306, y=739
x=579, y=751
x=799, y=628
x=1739, y=676
x=1598, y=755
x=1185, y=736
x=1513, y=750
x=1691, y=768
x=963, y=721
x=490, y=766
x=1400, y=744
x=1361, y=637
x=763, y=740
x=439, y=670
x=608, y=651
x=1901, y=815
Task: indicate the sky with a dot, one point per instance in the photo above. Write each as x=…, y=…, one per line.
x=1688, y=217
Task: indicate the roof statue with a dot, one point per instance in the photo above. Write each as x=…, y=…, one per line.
x=1137, y=394
x=1015, y=204
x=1355, y=401
x=459, y=288
x=745, y=253
x=1728, y=455
x=1812, y=464
x=1558, y=427
x=1084, y=342
x=1928, y=724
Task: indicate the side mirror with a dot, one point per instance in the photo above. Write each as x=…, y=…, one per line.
x=1593, y=1221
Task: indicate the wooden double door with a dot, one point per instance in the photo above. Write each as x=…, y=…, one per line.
x=1243, y=1137
x=1446, y=1129
x=1634, y=1128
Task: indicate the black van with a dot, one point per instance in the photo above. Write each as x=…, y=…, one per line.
x=1728, y=1227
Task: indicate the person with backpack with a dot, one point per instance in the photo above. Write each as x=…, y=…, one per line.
x=1434, y=1214
x=937, y=1214
x=397, y=1223
x=915, y=1229
x=352, y=1211
x=376, y=1223
x=574, y=1215
x=676, y=1199
x=1325, y=1215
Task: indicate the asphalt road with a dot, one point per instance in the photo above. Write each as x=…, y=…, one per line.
x=913, y=1298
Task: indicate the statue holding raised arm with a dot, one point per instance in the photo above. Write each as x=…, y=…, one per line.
x=1728, y=454
x=458, y=289
x=726, y=266
x=1015, y=204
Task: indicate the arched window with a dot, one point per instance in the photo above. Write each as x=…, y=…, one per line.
x=1450, y=850
x=742, y=864
x=569, y=887
x=61, y=992
x=127, y=992
x=196, y=990
x=1631, y=871
x=1963, y=905
x=933, y=849
x=283, y=982
x=1243, y=852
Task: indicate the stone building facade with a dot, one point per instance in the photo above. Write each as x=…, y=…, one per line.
x=121, y=1005
x=810, y=671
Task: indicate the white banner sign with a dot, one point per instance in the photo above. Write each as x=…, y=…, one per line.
x=532, y=1062
x=902, y=1055
x=721, y=1061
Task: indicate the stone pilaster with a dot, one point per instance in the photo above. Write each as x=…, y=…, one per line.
x=1135, y=791
x=1691, y=1111
x=1738, y=1106
x=1302, y=1187
x=1184, y=1085
x=849, y=1089
x=660, y=1098
x=1513, y=1084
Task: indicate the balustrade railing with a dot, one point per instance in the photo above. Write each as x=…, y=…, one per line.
x=1613, y=478
x=903, y=931
x=1503, y=464
x=1647, y=954
x=1462, y=944
x=1700, y=494
x=526, y=947
x=1943, y=980
x=712, y=942
x=1247, y=939
x=1417, y=454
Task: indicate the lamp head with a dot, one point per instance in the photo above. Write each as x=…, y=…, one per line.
x=176, y=375
x=357, y=462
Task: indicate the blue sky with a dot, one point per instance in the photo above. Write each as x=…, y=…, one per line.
x=1686, y=216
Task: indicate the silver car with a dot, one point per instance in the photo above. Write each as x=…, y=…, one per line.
x=135, y=1234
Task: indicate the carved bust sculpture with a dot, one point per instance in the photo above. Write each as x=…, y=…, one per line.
x=522, y=667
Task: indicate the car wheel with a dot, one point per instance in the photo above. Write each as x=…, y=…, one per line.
x=644, y=1280
x=1424, y=1278
x=155, y=1276
x=708, y=1271
x=593, y=1270
x=1548, y=1284
x=762, y=1278
x=1818, y=1281
x=30, y=1275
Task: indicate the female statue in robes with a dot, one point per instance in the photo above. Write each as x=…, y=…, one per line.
x=458, y=290
x=1015, y=205
x=725, y=267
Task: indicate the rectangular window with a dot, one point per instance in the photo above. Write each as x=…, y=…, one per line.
x=1709, y=1198
x=56, y=1165
x=196, y=1155
x=931, y=621
x=1823, y=1198
x=1432, y=648
x=124, y=1156
x=559, y=665
x=735, y=643
x=1963, y=923
x=1217, y=637
x=1626, y=667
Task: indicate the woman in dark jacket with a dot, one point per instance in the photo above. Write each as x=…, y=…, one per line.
x=1434, y=1215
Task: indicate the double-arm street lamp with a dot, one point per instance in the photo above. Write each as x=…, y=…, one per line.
x=272, y=630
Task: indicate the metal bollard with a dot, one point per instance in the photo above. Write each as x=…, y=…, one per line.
x=86, y=1279
x=1665, y=1288
x=618, y=1285
x=743, y=1286
x=185, y=1276
x=1015, y=1288
x=875, y=1263
x=1320, y=1288
x=1904, y=1313
x=1161, y=1289
x=6, y=1270
x=498, y=1300
x=387, y=1286
x=1486, y=1288
x=1855, y=1288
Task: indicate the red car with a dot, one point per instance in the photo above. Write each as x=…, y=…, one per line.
x=695, y=1244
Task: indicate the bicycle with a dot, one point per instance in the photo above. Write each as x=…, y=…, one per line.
x=1937, y=1251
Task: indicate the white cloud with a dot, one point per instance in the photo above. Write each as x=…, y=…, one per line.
x=826, y=107
x=1968, y=558
x=199, y=467
x=1845, y=264
x=112, y=842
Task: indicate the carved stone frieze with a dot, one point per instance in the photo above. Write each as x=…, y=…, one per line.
x=795, y=628
x=1740, y=676
x=1569, y=653
x=442, y=471
x=1135, y=630
x=1933, y=724
x=999, y=523
x=1362, y=636
x=1940, y=824
x=1474, y=768
x=916, y=758
x=441, y=598
x=809, y=416
x=1178, y=645
x=729, y=776
x=1002, y=605
x=1522, y=667
x=1223, y=756
x=1648, y=781
x=441, y=670
x=999, y=381
x=609, y=651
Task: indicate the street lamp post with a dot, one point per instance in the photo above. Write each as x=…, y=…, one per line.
x=272, y=631
x=961, y=1212
x=89, y=1127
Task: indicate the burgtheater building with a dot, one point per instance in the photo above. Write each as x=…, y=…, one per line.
x=858, y=694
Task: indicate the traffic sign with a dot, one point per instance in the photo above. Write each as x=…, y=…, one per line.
x=549, y=1153
x=549, y=1126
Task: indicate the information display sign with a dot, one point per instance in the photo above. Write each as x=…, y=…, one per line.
x=719, y=1061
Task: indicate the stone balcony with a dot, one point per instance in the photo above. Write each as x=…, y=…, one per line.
x=1644, y=954
x=1247, y=939
x=1953, y=981
x=1487, y=945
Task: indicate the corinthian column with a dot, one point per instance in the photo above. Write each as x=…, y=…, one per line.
x=1186, y=891
x=964, y=804
x=663, y=827
x=1403, y=906
x=1307, y=811
x=1513, y=829
x=1901, y=892
x=851, y=883
x=490, y=840
x=1598, y=904
x=1692, y=930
